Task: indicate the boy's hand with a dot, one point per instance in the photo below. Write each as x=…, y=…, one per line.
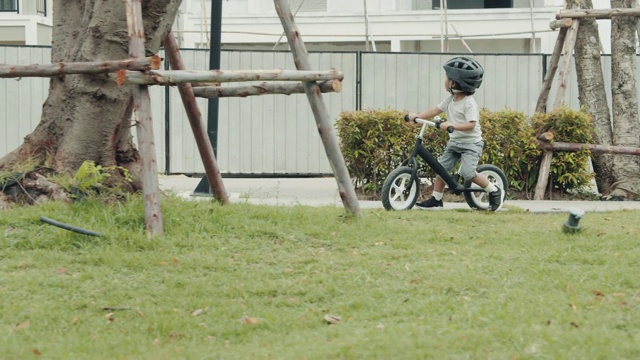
x=411, y=117
x=445, y=125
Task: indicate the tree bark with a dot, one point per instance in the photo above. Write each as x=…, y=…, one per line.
x=88, y=117
x=593, y=96
x=626, y=126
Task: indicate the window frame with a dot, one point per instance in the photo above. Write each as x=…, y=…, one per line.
x=16, y=7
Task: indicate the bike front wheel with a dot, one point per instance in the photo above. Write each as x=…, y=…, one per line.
x=480, y=199
x=396, y=194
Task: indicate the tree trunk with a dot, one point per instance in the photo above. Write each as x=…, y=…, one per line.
x=626, y=168
x=88, y=117
x=592, y=94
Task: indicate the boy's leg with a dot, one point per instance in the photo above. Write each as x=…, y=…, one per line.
x=470, y=159
x=448, y=159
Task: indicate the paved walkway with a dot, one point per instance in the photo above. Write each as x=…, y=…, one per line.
x=324, y=192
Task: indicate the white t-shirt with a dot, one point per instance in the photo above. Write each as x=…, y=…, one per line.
x=461, y=112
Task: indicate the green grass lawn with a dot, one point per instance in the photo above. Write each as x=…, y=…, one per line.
x=255, y=282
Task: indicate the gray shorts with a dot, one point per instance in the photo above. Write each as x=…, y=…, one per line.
x=468, y=153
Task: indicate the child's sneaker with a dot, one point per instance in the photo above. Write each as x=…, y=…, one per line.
x=496, y=199
x=430, y=203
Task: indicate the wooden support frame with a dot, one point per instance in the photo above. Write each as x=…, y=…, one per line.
x=98, y=67
x=319, y=109
x=560, y=59
x=174, y=77
x=144, y=125
x=263, y=89
x=597, y=13
x=141, y=72
x=197, y=125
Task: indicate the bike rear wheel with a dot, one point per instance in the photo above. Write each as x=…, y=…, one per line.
x=394, y=190
x=480, y=199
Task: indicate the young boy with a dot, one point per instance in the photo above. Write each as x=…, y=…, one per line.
x=463, y=76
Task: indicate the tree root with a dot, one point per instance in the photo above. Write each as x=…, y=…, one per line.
x=31, y=188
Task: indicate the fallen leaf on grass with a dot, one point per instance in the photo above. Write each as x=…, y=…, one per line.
x=199, y=311
x=175, y=261
x=110, y=317
x=155, y=342
x=36, y=352
x=249, y=320
x=211, y=338
x=575, y=308
x=287, y=270
x=597, y=293
x=74, y=320
x=575, y=325
x=63, y=270
x=379, y=243
x=23, y=325
x=176, y=335
x=332, y=319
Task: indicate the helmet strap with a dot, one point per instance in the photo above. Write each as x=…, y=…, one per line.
x=451, y=90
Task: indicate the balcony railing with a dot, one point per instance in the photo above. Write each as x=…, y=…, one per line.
x=9, y=6
x=41, y=7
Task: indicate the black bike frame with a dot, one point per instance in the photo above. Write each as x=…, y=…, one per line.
x=420, y=150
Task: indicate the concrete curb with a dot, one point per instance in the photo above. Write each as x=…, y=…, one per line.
x=324, y=192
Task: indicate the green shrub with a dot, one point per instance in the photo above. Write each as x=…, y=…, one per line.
x=569, y=170
x=374, y=142
x=510, y=144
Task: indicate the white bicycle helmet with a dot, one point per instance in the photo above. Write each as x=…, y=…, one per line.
x=466, y=72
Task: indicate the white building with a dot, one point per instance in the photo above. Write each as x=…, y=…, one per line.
x=26, y=22
x=486, y=26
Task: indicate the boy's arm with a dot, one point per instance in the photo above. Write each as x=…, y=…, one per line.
x=427, y=114
x=469, y=125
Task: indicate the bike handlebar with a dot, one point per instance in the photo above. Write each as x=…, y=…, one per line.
x=435, y=124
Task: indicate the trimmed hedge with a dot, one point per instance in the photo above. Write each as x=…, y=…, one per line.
x=374, y=142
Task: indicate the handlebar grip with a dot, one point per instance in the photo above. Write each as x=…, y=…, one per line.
x=450, y=129
x=406, y=118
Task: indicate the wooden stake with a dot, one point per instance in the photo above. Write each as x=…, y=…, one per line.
x=567, y=52
x=541, y=105
x=173, y=77
x=597, y=13
x=144, y=125
x=594, y=148
x=263, y=89
x=562, y=23
x=58, y=69
x=543, y=176
x=320, y=112
x=197, y=125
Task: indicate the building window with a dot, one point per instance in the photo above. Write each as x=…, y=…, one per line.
x=466, y=4
x=9, y=5
x=41, y=7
